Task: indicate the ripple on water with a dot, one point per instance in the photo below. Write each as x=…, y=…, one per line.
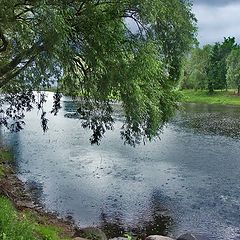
x=188, y=181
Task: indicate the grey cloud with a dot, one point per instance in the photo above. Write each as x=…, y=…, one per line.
x=217, y=22
x=215, y=2
x=216, y=19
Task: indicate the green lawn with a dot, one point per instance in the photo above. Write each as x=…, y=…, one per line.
x=218, y=97
x=21, y=226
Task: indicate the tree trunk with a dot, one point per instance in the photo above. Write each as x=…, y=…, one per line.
x=210, y=88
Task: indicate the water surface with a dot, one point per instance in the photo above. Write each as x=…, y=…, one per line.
x=187, y=181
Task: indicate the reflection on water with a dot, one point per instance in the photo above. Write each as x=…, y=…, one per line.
x=188, y=181
x=158, y=222
x=115, y=227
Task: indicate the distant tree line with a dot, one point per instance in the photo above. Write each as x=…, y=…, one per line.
x=212, y=67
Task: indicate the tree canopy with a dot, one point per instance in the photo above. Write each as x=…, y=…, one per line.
x=99, y=50
x=207, y=67
x=233, y=69
x=194, y=73
x=218, y=66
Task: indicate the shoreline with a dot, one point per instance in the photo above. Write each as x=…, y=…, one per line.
x=44, y=225
x=13, y=190
x=203, y=97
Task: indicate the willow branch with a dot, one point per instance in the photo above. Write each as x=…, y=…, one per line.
x=4, y=45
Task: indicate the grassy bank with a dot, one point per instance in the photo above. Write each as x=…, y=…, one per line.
x=218, y=97
x=5, y=157
x=25, y=224
x=16, y=225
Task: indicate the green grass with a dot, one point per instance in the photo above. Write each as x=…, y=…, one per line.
x=5, y=155
x=218, y=97
x=2, y=171
x=19, y=226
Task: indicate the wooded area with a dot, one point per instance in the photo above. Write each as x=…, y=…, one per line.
x=212, y=67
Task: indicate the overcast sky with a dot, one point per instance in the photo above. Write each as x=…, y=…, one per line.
x=217, y=19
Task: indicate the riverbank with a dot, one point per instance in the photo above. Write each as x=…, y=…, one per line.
x=218, y=97
x=22, y=218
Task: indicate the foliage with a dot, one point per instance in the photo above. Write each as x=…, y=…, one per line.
x=194, y=68
x=217, y=65
x=14, y=226
x=213, y=67
x=206, y=67
x=233, y=69
x=91, y=50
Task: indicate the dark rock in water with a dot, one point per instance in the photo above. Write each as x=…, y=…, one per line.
x=187, y=236
x=158, y=237
x=91, y=233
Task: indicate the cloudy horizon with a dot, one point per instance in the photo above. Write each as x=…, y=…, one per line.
x=217, y=19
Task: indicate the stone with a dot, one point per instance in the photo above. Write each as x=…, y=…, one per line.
x=158, y=237
x=79, y=238
x=25, y=204
x=92, y=233
x=187, y=236
x=119, y=238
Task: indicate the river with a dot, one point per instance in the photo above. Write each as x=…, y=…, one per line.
x=188, y=181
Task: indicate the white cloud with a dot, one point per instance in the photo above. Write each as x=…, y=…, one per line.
x=217, y=22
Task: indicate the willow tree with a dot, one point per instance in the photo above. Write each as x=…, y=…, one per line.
x=233, y=69
x=194, y=68
x=96, y=49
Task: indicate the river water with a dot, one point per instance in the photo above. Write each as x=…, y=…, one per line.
x=189, y=181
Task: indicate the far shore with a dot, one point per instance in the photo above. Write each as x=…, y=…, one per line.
x=218, y=97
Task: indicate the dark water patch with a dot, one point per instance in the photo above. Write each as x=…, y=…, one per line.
x=114, y=227
x=210, y=119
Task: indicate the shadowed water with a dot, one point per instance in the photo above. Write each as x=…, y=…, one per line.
x=187, y=181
